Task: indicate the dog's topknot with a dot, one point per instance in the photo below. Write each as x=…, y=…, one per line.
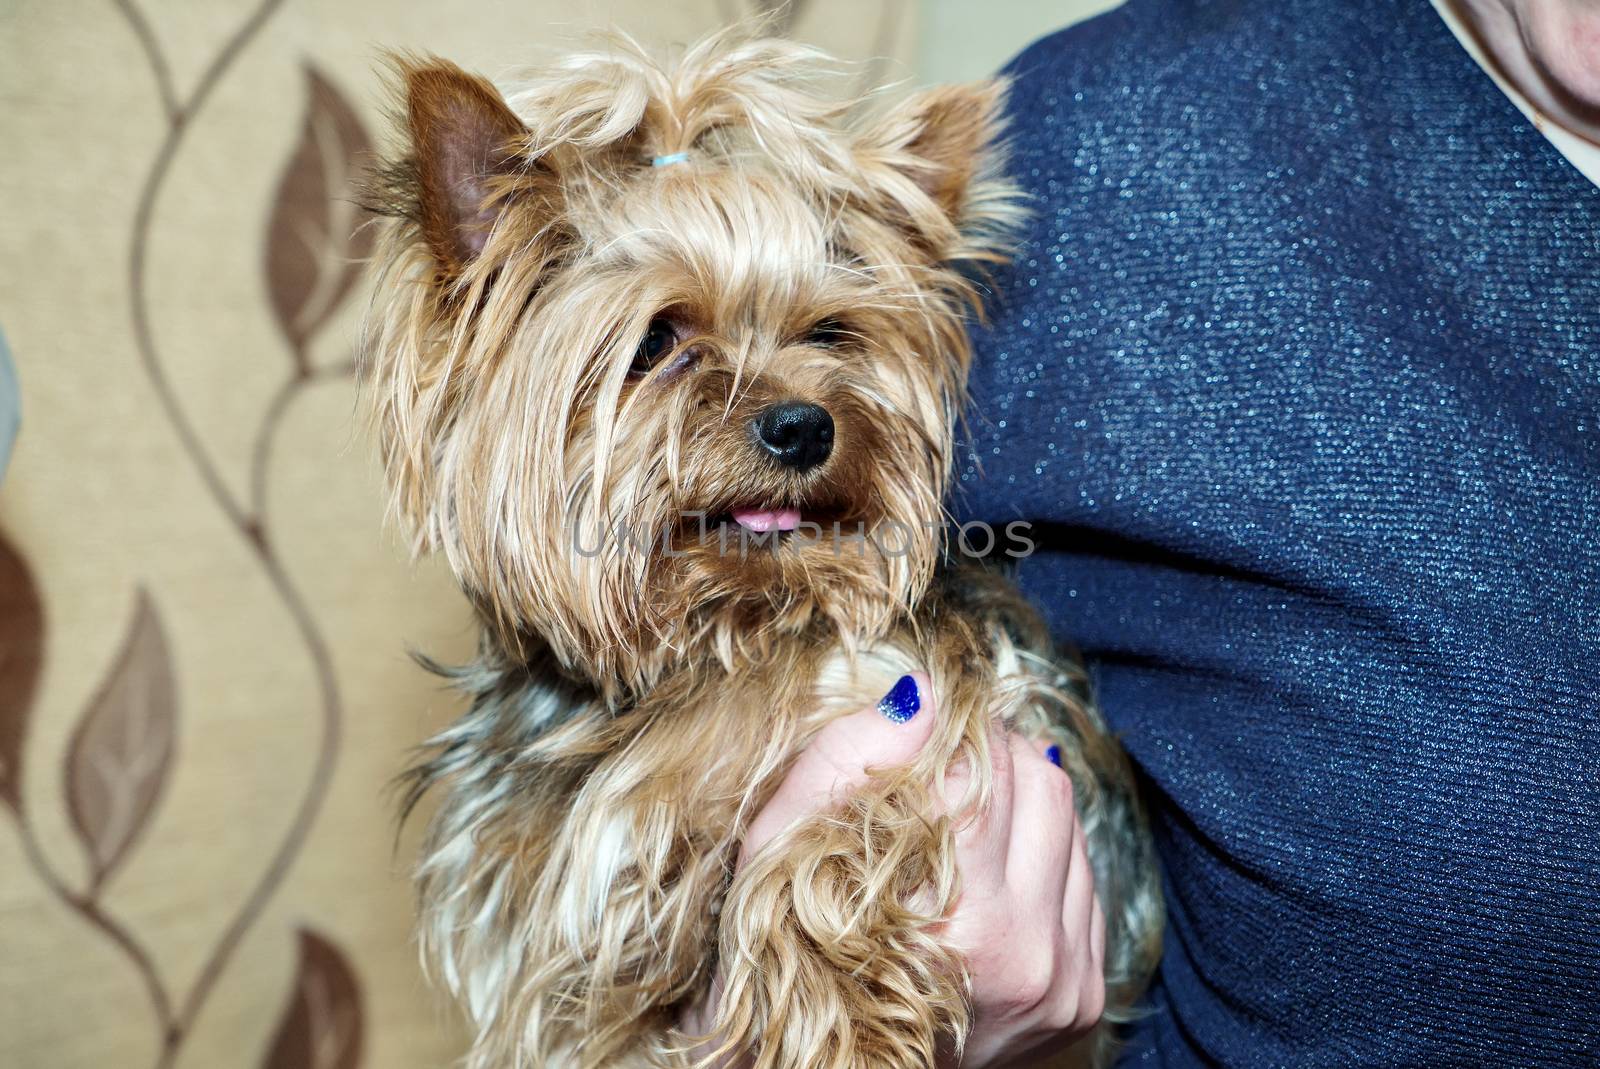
x=598, y=118
x=724, y=96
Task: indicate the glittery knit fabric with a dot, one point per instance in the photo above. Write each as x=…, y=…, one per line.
x=1298, y=380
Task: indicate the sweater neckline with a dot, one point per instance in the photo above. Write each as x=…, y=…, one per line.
x=1583, y=155
x=1513, y=128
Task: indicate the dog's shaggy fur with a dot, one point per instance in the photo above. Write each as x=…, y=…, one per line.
x=643, y=686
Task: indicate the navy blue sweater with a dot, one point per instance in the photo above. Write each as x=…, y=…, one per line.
x=1298, y=380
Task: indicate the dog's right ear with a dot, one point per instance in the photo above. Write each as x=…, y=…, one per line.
x=467, y=156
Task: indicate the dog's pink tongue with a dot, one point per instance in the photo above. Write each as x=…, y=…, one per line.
x=763, y=520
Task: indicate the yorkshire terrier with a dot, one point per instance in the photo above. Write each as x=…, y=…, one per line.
x=667, y=359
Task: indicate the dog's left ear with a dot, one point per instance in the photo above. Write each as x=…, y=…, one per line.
x=465, y=159
x=945, y=143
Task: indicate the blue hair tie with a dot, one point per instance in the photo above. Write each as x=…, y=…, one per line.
x=669, y=160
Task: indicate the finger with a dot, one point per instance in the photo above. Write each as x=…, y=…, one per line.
x=1078, y=903
x=1043, y=823
x=983, y=842
x=958, y=777
x=1080, y=993
x=1097, y=936
x=884, y=735
x=1091, y=1000
x=843, y=755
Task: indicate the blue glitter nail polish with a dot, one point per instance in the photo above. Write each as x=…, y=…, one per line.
x=1054, y=754
x=902, y=701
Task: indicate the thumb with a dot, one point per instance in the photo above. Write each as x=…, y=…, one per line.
x=844, y=754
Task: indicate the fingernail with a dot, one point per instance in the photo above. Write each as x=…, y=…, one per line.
x=1053, y=753
x=902, y=701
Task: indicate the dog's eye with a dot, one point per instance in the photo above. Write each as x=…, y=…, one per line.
x=657, y=342
x=828, y=333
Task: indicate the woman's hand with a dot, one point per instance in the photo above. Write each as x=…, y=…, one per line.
x=1027, y=920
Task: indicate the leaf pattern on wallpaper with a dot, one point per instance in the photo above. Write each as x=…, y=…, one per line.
x=21, y=653
x=316, y=244
x=121, y=749
x=321, y=1026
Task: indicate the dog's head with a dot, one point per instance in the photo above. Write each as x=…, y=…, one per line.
x=672, y=353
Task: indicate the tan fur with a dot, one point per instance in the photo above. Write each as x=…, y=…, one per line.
x=635, y=704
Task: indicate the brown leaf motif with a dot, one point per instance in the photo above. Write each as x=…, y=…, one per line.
x=21, y=653
x=122, y=746
x=315, y=240
x=321, y=1026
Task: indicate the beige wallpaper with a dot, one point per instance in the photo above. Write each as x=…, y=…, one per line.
x=204, y=687
x=962, y=39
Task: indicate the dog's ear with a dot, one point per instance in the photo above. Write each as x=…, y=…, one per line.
x=944, y=142
x=467, y=151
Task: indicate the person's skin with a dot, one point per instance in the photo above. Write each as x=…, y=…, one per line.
x=1027, y=919
x=1548, y=49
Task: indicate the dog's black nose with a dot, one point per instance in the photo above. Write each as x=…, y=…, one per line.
x=797, y=433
